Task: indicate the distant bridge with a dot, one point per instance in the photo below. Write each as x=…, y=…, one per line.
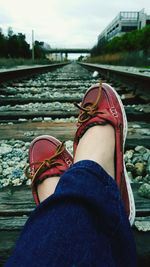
x=69, y=50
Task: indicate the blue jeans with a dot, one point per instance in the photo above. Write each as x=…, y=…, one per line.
x=83, y=224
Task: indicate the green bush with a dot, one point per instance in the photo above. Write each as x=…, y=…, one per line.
x=132, y=41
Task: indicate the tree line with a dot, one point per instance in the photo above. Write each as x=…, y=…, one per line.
x=132, y=41
x=15, y=46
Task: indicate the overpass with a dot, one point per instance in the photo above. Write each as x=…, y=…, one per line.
x=69, y=50
x=60, y=51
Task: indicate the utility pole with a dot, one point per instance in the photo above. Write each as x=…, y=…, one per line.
x=32, y=45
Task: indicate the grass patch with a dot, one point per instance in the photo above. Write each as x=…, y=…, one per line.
x=13, y=62
x=134, y=59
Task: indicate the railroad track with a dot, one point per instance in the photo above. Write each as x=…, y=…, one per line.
x=43, y=104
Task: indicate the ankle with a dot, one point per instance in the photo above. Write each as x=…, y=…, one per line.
x=47, y=187
x=98, y=144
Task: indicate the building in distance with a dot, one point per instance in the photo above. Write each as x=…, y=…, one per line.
x=125, y=21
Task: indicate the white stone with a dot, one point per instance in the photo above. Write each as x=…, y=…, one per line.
x=5, y=149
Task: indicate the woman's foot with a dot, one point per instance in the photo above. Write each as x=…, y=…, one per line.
x=48, y=159
x=98, y=144
x=101, y=134
x=47, y=187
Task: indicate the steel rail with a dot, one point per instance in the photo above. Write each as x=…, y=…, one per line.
x=137, y=81
x=22, y=72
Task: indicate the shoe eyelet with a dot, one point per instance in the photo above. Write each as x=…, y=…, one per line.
x=69, y=162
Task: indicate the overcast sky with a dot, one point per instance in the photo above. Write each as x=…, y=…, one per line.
x=64, y=23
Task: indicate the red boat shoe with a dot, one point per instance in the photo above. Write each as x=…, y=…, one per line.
x=47, y=157
x=101, y=105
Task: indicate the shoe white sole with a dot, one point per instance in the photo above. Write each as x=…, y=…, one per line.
x=129, y=189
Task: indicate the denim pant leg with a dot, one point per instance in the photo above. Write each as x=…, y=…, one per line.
x=83, y=224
